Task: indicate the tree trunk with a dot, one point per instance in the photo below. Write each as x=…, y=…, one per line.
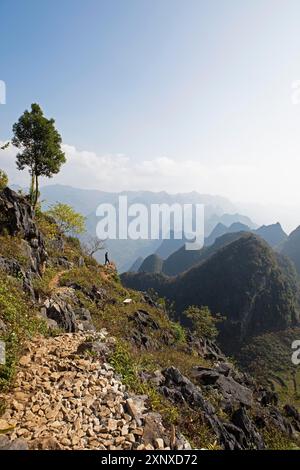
x=32, y=188
x=36, y=196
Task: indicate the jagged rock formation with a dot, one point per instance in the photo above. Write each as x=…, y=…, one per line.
x=17, y=220
x=181, y=260
x=63, y=310
x=273, y=234
x=239, y=393
x=291, y=248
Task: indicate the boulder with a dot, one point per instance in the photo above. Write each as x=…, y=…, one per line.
x=144, y=326
x=205, y=347
x=64, y=262
x=98, y=347
x=154, y=430
x=230, y=390
x=62, y=313
x=13, y=268
x=143, y=320
x=136, y=407
x=252, y=440
x=268, y=397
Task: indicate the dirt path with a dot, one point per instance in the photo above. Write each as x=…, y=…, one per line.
x=54, y=282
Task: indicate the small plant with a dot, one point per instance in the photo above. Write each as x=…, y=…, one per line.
x=178, y=332
x=3, y=180
x=123, y=365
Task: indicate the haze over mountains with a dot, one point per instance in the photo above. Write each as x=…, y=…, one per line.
x=182, y=259
x=126, y=252
x=247, y=273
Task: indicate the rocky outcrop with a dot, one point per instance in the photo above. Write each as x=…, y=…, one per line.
x=17, y=219
x=13, y=268
x=143, y=332
x=63, y=310
x=232, y=392
x=205, y=347
x=236, y=393
x=96, y=294
x=181, y=390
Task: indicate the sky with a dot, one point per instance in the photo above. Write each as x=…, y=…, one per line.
x=162, y=94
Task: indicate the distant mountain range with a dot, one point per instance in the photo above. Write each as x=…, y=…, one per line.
x=125, y=252
x=182, y=259
x=273, y=234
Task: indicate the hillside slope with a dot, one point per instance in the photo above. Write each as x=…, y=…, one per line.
x=291, y=248
x=244, y=281
x=88, y=370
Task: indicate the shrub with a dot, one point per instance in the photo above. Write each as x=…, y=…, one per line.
x=68, y=221
x=203, y=323
x=3, y=180
x=178, y=332
x=74, y=242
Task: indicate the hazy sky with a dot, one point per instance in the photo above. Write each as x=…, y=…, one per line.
x=161, y=94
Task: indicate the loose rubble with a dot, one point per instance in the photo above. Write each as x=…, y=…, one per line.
x=68, y=397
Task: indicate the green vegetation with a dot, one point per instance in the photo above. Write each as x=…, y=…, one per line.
x=46, y=225
x=20, y=322
x=3, y=180
x=147, y=339
x=243, y=280
x=291, y=248
x=14, y=248
x=276, y=440
x=68, y=221
x=179, y=332
x=40, y=147
x=203, y=323
x=269, y=358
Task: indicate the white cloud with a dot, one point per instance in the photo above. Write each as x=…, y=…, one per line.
x=263, y=184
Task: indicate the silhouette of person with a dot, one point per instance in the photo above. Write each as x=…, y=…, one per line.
x=106, y=259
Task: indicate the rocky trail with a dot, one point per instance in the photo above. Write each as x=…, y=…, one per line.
x=54, y=282
x=66, y=396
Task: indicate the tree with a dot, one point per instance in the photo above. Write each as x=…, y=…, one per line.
x=69, y=222
x=3, y=180
x=203, y=323
x=92, y=245
x=5, y=146
x=40, y=145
